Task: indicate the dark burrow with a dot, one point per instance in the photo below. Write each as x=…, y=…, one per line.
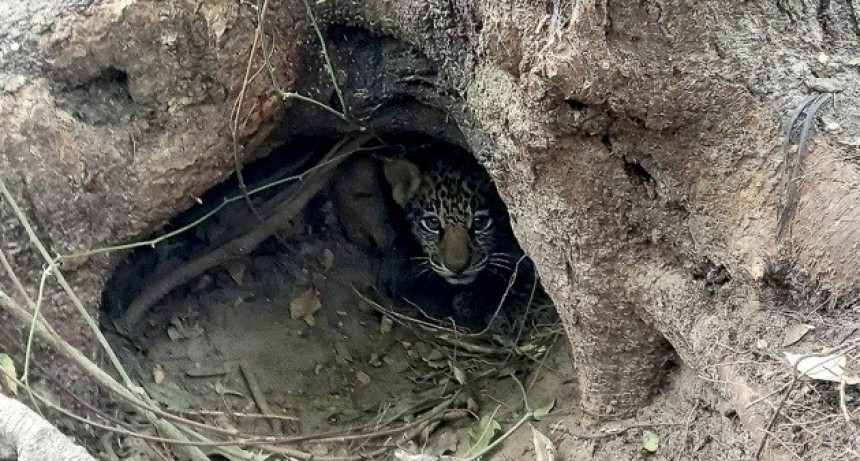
x=336, y=314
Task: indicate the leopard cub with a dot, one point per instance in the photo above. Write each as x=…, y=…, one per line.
x=462, y=252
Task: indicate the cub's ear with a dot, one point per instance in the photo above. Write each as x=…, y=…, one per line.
x=404, y=178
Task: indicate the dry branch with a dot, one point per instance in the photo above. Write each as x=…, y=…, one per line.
x=292, y=201
x=33, y=438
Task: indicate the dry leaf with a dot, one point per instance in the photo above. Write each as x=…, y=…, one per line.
x=343, y=351
x=158, y=374
x=180, y=330
x=305, y=305
x=7, y=369
x=363, y=377
x=221, y=389
x=822, y=368
x=459, y=374
x=403, y=455
x=483, y=435
x=236, y=269
x=544, y=449
x=650, y=442
x=386, y=325
x=795, y=333
x=327, y=259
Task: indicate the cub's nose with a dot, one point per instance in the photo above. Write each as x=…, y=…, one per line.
x=455, y=249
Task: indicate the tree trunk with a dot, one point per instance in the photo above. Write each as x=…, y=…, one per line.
x=640, y=147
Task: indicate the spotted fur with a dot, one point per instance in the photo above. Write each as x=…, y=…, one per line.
x=457, y=218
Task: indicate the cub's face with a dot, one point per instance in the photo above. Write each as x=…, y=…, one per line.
x=454, y=215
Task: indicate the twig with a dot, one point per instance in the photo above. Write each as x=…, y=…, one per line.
x=294, y=200
x=790, y=168
x=237, y=414
x=284, y=94
x=237, y=111
x=29, y=349
x=511, y=281
x=773, y=417
x=260, y=397
x=618, y=431
x=15, y=280
x=328, y=65
x=156, y=240
x=91, y=323
x=46, y=333
x=842, y=405
x=39, y=299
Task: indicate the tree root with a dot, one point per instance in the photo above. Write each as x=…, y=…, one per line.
x=33, y=438
x=290, y=203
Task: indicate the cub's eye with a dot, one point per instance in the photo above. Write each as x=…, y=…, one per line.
x=481, y=222
x=431, y=224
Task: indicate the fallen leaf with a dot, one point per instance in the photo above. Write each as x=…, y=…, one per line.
x=179, y=329
x=173, y=334
x=650, y=442
x=386, y=325
x=822, y=367
x=221, y=389
x=327, y=259
x=403, y=455
x=543, y=411
x=158, y=374
x=483, y=435
x=343, y=351
x=544, y=449
x=305, y=305
x=7, y=365
x=459, y=374
x=236, y=269
x=210, y=370
x=363, y=377
x=172, y=396
x=795, y=333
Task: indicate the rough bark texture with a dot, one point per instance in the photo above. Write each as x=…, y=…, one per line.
x=638, y=147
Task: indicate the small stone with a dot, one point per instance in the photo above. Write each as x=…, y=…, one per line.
x=823, y=58
x=14, y=84
x=14, y=47
x=824, y=85
x=761, y=344
x=833, y=126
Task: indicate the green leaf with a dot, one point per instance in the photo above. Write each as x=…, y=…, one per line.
x=221, y=389
x=544, y=410
x=650, y=442
x=483, y=435
x=9, y=374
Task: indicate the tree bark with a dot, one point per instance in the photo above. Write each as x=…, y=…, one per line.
x=640, y=148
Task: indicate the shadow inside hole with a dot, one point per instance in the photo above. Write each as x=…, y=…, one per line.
x=300, y=319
